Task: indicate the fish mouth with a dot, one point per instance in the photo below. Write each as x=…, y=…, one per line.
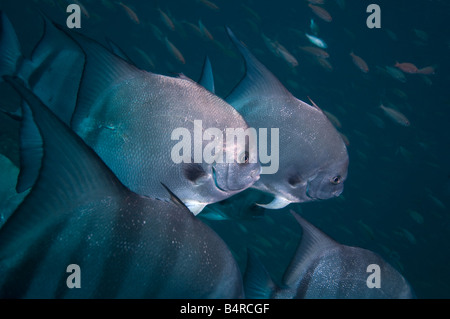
x=312, y=198
x=214, y=175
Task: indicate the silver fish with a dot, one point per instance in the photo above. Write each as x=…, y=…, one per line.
x=128, y=115
x=313, y=157
x=316, y=41
x=323, y=268
x=126, y=245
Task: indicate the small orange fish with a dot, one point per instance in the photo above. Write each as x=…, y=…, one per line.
x=324, y=63
x=194, y=28
x=133, y=16
x=167, y=21
x=210, y=5
x=204, y=31
x=427, y=70
x=345, y=139
x=407, y=67
x=360, y=63
x=321, y=13
x=317, y=52
x=174, y=51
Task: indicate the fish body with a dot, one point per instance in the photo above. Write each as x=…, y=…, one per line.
x=360, y=63
x=287, y=56
x=395, y=115
x=125, y=245
x=407, y=67
x=280, y=51
x=321, y=12
x=396, y=74
x=312, y=155
x=324, y=269
x=204, y=31
x=428, y=70
x=314, y=27
x=166, y=20
x=211, y=5
x=271, y=45
x=333, y=119
x=174, y=51
x=130, y=117
x=131, y=13
x=317, y=52
x=160, y=105
x=325, y=63
x=316, y=41
x=9, y=197
x=82, y=8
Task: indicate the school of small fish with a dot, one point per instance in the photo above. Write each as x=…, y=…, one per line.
x=110, y=102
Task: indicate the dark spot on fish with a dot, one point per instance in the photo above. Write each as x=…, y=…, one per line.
x=193, y=171
x=294, y=180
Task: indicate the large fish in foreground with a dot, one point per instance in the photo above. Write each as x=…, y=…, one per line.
x=129, y=116
x=126, y=245
x=323, y=268
x=313, y=157
x=9, y=198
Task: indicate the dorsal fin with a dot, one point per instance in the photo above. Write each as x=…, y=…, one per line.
x=10, y=56
x=313, y=243
x=315, y=105
x=118, y=51
x=102, y=69
x=71, y=174
x=258, y=80
x=207, y=78
x=56, y=62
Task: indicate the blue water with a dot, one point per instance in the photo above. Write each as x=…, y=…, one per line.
x=396, y=173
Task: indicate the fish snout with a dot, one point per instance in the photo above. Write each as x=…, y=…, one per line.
x=324, y=189
x=236, y=177
x=338, y=192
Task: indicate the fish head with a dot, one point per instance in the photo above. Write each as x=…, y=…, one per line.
x=324, y=171
x=240, y=169
x=313, y=166
x=328, y=182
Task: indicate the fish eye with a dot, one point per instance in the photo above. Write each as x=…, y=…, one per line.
x=244, y=158
x=336, y=180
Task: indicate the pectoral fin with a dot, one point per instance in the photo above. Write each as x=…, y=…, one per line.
x=277, y=203
x=257, y=281
x=257, y=82
x=195, y=207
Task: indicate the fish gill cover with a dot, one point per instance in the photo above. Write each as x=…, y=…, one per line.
x=384, y=89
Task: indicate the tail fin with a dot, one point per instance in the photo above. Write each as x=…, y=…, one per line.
x=257, y=281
